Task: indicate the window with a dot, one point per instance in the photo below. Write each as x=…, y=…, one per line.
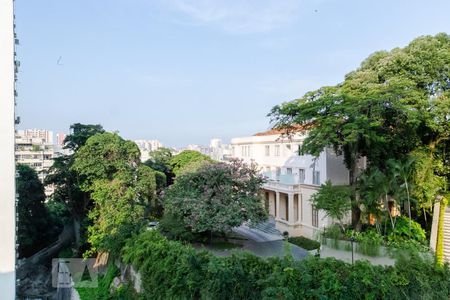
x=301, y=175
x=278, y=172
x=315, y=217
x=277, y=150
x=267, y=150
x=288, y=146
x=316, y=177
x=289, y=171
x=245, y=151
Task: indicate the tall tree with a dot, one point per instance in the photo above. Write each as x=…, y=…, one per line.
x=34, y=219
x=395, y=102
x=188, y=161
x=66, y=181
x=120, y=187
x=216, y=197
x=334, y=200
x=160, y=161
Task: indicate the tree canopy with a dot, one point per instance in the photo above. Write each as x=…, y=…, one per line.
x=120, y=187
x=216, y=197
x=334, y=200
x=394, y=103
x=67, y=181
x=187, y=161
x=34, y=220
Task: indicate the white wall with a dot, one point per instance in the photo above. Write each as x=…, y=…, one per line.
x=7, y=171
x=329, y=165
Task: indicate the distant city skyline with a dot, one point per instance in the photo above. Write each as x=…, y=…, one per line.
x=184, y=72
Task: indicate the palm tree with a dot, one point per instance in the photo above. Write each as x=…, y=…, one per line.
x=401, y=173
x=374, y=188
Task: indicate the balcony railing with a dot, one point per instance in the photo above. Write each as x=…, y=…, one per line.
x=283, y=178
x=285, y=181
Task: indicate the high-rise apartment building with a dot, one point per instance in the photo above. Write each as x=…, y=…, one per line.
x=35, y=148
x=147, y=146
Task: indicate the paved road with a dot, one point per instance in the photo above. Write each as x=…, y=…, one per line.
x=266, y=245
x=256, y=235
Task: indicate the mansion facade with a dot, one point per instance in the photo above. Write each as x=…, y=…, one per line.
x=291, y=178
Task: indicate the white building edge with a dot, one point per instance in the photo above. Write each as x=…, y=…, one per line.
x=291, y=178
x=7, y=172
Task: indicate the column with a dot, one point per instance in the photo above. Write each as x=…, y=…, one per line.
x=7, y=161
x=290, y=216
x=277, y=205
x=300, y=207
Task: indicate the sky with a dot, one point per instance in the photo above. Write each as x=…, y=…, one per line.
x=186, y=71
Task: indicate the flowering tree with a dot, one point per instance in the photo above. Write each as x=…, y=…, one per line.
x=216, y=197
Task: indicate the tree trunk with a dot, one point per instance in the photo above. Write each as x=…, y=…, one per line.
x=356, y=210
x=76, y=232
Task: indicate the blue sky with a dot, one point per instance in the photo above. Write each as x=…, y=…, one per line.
x=185, y=71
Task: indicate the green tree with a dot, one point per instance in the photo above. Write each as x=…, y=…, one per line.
x=394, y=103
x=216, y=197
x=426, y=180
x=188, y=161
x=402, y=172
x=376, y=190
x=334, y=200
x=67, y=181
x=160, y=161
x=121, y=188
x=34, y=223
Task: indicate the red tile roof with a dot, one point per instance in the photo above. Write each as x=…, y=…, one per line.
x=281, y=131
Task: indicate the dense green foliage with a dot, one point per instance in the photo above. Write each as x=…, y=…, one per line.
x=334, y=200
x=34, y=226
x=407, y=236
x=121, y=188
x=188, y=161
x=304, y=242
x=171, y=270
x=103, y=290
x=440, y=233
x=67, y=181
x=216, y=197
x=394, y=104
x=160, y=161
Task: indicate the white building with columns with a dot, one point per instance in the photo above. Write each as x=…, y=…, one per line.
x=291, y=178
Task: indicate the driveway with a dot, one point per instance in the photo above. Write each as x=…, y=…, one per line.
x=265, y=244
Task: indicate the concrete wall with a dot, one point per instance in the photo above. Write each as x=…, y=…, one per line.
x=336, y=170
x=7, y=171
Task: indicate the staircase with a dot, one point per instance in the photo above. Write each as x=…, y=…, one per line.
x=269, y=227
x=446, y=234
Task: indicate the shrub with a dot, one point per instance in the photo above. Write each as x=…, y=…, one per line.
x=102, y=292
x=304, y=243
x=369, y=242
x=403, y=229
x=174, y=228
x=171, y=270
x=334, y=233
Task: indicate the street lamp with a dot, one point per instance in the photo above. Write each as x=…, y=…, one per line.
x=352, y=239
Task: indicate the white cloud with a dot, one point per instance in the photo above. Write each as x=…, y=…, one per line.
x=239, y=16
